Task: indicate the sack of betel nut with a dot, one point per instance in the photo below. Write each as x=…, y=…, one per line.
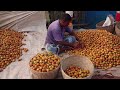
x=117, y=18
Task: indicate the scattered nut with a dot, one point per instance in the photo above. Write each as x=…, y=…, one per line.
x=19, y=59
x=10, y=43
x=25, y=49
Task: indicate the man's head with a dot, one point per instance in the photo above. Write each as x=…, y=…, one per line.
x=65, y=19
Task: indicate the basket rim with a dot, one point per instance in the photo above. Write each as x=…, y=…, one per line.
x=76, y=56
x=104, y=26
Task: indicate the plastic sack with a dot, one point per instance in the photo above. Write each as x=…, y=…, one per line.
x=70, y=13
x=109, y=21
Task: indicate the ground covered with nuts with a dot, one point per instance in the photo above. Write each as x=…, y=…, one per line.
x=102, y=47
x=10, y=46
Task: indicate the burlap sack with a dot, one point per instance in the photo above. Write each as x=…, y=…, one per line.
x=117, y=28
x=107, y=28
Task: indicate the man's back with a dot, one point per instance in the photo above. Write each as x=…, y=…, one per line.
x=53, y=27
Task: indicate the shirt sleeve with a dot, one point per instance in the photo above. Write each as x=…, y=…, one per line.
x=68, y=30
x=57, y=35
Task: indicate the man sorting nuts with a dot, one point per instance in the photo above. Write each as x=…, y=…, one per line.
x=56, y=41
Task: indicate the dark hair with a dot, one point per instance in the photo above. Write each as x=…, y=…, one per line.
x=66, y=17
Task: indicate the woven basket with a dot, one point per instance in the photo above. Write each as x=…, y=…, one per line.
x=80, y=61
x=45, y=75
x=117, y=29
x=108, y=28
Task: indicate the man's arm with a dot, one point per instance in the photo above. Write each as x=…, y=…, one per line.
x=71, y=45
x=71, y=32
x=59, y=40
x=82, y=45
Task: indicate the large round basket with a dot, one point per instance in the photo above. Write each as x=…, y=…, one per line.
x=45, y=75
x=117, y=28
x=108, y=28
x=80, y=61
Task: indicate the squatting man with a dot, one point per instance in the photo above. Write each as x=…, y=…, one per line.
x=56, y=40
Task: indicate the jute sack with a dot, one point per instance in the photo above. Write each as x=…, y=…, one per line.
x=117, y=28
x=107, y=28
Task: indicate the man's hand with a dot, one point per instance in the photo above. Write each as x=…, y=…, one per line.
x=76, y=45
